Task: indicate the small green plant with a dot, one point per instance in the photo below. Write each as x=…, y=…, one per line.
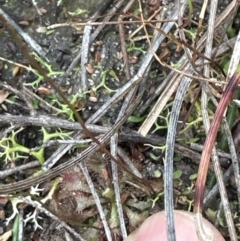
x=64, y=108
x=161, y=123
x=191, y=33
x=185, y=200
x=77, y=12
x=132, y=48
x=164, y=122
x=162, y=148
x=136, y=119
x=11, y=150
x=156, y=198
x=104, y=75
x=50, y=72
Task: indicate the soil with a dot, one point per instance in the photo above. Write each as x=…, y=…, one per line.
x=25, y=93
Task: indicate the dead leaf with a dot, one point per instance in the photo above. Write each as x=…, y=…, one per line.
x=97, y=58
x=42, y=10
x=165, y=54
x=89, y=68
x=43, y=90
x=70, y=90
x=78, y=105
x=93, y=99
x=105, y=174
x=3, y=95
x=6, y=236
x=2, y=215
x=133, y=60
x=23, y=23
x=99, y=43
x=16, y=70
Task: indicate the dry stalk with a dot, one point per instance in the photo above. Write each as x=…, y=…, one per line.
x=114, y=138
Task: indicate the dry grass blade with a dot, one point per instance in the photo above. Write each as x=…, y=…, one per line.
x=97, y=200
x=168, y=167
x=174, y=83
x=114, y=138
x=209, y=143
x=235, y=60
x=84, y=57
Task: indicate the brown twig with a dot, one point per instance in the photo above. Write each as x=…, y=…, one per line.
x=210, y=140
x=123, y=47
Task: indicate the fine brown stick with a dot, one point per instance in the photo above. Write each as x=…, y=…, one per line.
x=210, y=140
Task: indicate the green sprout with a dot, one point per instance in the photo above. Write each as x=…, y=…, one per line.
x=103, y=80
x=162, y=148
x=50, y=194
x=191, y=33
x=50, y=72
x=133, y=48
x=194, y=122
x=136, y=119
x=11, y=150
x=165, y=119
x=16, y=228
x=156, y=198
x=176, y=65
x=154, y=157
x=65, y=109
x=177, y=174
x=188, y=191
x=39, y=154
x=185, y=200
x=58, y=134
x=77, y=12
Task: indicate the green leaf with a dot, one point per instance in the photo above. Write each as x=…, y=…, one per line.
x=155, y=158
x=136, y=119
x=177, y=174
x=193, y=176
x=50, y=32
x=16, y=228
x=211, y=214
x=77, y=12
x=157, y=173
x=193, y=140
x=113, y=74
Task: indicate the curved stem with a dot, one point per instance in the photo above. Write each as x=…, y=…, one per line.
x=210, y=140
